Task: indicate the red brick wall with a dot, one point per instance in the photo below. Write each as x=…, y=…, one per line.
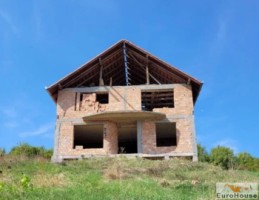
x=123, y=98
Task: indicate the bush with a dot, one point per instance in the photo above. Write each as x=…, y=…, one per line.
x=2, y=152
x=256, y=164
x=30, y=151
x=246, y=161
x=47, y=153
x=203, y=156
x=222, y=156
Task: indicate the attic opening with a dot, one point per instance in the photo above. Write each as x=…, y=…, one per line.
x=157, y=99
x=88, y=136
x=127, y=138
x=102, y=98
x=86, y=101
x=166, y=134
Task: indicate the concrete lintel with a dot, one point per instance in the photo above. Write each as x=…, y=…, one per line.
x=78, y=121
x=71, y=120
x=107, y=88
x=175, y=117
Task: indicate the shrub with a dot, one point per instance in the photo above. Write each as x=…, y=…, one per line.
x=203, y=156
x=47, y=153
x=2, y=152
x=246, y=161
x=30, y=151
x=222, y=156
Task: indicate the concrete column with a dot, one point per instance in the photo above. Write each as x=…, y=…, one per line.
x=55, y=157
x=139, y=136
x=194, y=142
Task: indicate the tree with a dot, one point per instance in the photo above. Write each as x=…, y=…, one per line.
x=222, y=156
x=245, y=161
x=203, y=155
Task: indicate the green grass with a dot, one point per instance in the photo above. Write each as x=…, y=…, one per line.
x=113, y=178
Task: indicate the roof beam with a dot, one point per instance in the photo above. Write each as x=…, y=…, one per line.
x=88, y=70
x=158, y=62
x=101, y=83
x=125, y=64
x=141, y=65
x=176, y=77
x=87, y=79
x=162, y=67
x=147, y=71
x=80, y=76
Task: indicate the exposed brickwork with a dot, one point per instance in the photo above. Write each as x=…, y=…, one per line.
x=69, y=106
x=182, y=101
x=111, y=138
x=183, y=138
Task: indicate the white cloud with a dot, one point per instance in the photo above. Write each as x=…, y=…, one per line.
x=43, y=130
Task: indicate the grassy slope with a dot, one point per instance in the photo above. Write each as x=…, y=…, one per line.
x=114, y=178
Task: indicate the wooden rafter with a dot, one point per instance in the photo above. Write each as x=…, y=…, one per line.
x=147, y=71
x=141, y=65
x=77, y=78
x=101, y=82
x=143, y=68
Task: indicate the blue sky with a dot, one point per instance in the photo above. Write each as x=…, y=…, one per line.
x=214, y=41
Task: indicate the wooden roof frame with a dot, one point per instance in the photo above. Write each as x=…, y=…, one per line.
x=134, y=64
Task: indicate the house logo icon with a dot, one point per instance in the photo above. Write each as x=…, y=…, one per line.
x=237, y=191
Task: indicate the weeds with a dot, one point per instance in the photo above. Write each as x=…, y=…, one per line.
x=112, y=178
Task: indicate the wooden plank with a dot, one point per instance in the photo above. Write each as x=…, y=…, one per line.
x=147, y=76
x=81, y=75
x=189, y=81
x=110, y=81
x=114, y=69
x=89, y=78
x=159, y=105
x=147, y=71
x=101, y=82
x=162, y=65
x=119, y=59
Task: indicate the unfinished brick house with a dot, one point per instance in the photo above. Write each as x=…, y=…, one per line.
x=125, y=101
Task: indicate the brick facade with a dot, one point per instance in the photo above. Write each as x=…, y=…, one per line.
x=75, y=103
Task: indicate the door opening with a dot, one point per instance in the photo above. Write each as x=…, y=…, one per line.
x=127, y=138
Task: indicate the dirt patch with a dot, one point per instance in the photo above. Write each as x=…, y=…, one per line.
x=47, y=180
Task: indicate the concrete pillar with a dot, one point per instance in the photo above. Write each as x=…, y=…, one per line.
x=55, y=157
x=139, y=136
x=194, y=142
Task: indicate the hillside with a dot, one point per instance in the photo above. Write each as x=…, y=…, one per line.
x=113, y=178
